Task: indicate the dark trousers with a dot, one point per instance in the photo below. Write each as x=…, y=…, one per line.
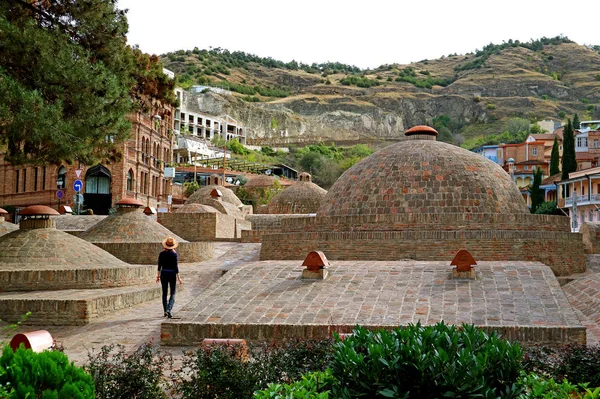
x=168, y=279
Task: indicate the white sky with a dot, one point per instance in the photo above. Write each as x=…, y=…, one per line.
x=366, y=33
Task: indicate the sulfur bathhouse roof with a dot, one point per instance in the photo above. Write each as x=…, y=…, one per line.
x=422, y=175
x=301, y=198
x=196, y=208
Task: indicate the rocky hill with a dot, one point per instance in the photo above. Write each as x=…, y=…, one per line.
x=285, y=103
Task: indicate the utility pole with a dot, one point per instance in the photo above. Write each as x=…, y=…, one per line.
x=224, y=160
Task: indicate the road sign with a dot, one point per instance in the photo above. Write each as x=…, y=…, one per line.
x=78, y=172
x=77, y=185
x=78, y=198
x=60, y=194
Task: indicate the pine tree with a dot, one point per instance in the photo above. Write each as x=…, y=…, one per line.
x=576, y=123
x=537, y=196
x=554, y=158
x=67, y=80
x=569, y=163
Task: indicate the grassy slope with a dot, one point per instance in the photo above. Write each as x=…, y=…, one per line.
x=542, y=82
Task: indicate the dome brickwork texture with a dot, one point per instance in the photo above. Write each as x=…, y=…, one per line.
x=301, y=198
x=426, y=200
x=196, y=208
x=203, y=194
x=422, y=176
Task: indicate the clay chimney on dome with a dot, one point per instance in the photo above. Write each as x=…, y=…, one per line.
x=421, y=132
x=37, y=217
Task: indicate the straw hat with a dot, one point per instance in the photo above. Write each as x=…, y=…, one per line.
x=170, y=243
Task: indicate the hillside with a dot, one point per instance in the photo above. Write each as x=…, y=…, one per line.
x=284, y=103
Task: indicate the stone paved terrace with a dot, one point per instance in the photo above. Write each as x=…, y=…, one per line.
x=264, y=300
x=140, y=324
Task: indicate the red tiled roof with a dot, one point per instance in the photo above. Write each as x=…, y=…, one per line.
x=586, y=156
x=551, y=179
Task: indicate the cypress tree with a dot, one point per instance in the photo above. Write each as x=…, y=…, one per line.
x=569, y=163
x=537, y=196
x=576, y=121
x=554, y=158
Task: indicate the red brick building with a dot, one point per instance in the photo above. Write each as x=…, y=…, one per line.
x=139, y=174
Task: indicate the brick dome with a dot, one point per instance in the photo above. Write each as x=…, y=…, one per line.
x=203, y=194
x=260, y=181
x=196, y=208
x=302, y=197
x=6, y=227
x=423, y=176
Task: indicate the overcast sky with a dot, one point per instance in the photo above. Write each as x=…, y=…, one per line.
x=366, y=33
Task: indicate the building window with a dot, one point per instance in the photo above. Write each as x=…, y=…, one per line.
x=533, y=168
x=596, y=143
x=526, y=167
x=582, y=142
x=17, y=174
x=44, y=179
x=534, y=152
x=24, y=180
x=61, y=181
x=35, y=179
x=130, y=180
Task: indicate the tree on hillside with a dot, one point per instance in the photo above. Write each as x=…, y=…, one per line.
x=554, y=158
x=569, y=162
x=66, y=80
x=536, y=193
x=576, y=123
x=517, y=126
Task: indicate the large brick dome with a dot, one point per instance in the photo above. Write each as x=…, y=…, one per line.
x=300, y=198
x=423, y=176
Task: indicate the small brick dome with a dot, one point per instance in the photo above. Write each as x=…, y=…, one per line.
x=423, y=176
x=38, y=210
x=196, y=208
x=203, y=194
x=302, y=197
x=260, y=181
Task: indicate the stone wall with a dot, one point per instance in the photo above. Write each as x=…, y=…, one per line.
x=193, y=334
x=147, y=253
x=563, y=252
x=85, y=278
x=591, y=237
x=263, y=224
x=203, y=226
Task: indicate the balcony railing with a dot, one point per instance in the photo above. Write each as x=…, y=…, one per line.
x=582, y=199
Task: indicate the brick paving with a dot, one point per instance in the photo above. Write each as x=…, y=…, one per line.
x=141, y=324
x=263, y=299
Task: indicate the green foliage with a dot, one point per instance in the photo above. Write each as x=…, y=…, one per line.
x=190, y=187
x=548, y=208
x=67, y=80
x=554, y=159
x=537, y=195
x=597, y=77
x=562, y=114
x=218, y=141
x=268, y=151
x=236, y=147
x=273, y=123
x=540, y=387
x=409, y=75
x=576, y=123
x=315, y=385
x=220, y=371
x=119, y=375
x=481, y=56
x=569, y=162
x=45, y=375
x=360, y=81
x=426, y=362
x=576, y=363
x=517, y=126
x=490, y=106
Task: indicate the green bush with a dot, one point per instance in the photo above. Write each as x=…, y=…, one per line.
x=312, y=386
x=360, y=81
x=218, y=372
x=577, y=363
x=118, y=375
x=47, y=375
x=190, y=187
x=426, y=362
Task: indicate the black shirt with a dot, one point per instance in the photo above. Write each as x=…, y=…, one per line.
x=167, y=261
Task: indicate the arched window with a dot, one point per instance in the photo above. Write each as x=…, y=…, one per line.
x=143, y=149
x=130, y=180
x=97, y=180
x=61, y=181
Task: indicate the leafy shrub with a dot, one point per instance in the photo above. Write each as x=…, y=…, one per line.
x=426, y=362
x=491, y=106
x=598, y=77
x=190, y=187
x=312, y=386
x=138, y=375
x=218, y=372
x=576, y=363
x=46, y=375
x=236, y=147
x=539, y=387
x=360, y=81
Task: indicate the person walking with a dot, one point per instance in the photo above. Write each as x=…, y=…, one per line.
x=168, y=274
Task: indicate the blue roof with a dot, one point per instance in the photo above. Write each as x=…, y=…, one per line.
x=483, y=147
